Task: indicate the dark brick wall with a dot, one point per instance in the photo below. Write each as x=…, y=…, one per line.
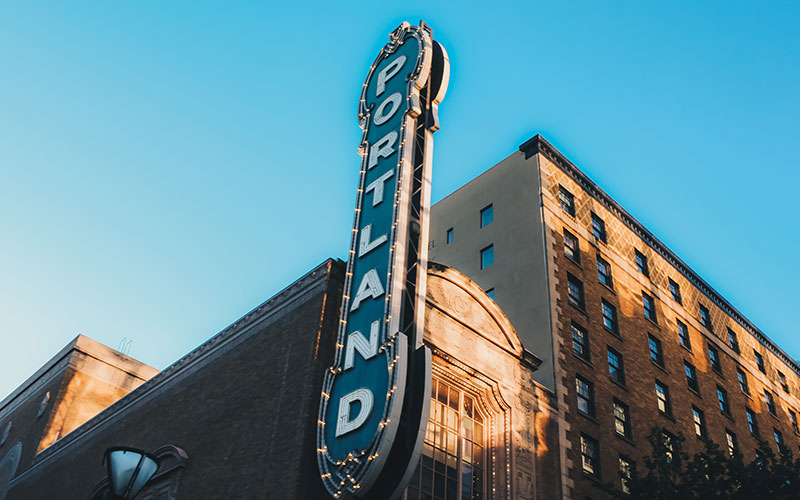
x=246, y=418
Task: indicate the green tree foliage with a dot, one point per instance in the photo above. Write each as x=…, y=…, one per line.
x=669, y=473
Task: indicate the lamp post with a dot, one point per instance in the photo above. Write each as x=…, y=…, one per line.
x=129, y=470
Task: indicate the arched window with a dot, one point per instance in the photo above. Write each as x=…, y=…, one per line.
x=453, y=460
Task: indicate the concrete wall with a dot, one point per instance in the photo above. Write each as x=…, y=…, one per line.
x=519, y=274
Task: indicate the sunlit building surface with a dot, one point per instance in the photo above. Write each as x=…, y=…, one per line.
x=630, y=337
x=561, y=332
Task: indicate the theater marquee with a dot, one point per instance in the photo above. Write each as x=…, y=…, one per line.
x=375, y=397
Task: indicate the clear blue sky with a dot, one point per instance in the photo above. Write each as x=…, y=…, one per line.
x=167, y=166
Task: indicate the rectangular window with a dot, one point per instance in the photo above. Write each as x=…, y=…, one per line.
x=622, y=419
x=724, y=404
x=490, y=293
x=733, y=446
x=662, y=394
x=604, y=272
x=699, y=422
x=598, y=227
x=782, y=380
x=713, y=358
x=641, y=263
x=779, y=440
x=742, y=381
x=590, y=457
x=571, y=247
x=487, y=256
x=760, y=362
x=705, y=317
x=793, y=420
x=669, y=445
x=656, y=354
x=625, y=474
x=683, y=335
x=580, y=341
x=649, y=307
x=449, y=238
x=575, y=287
x=769, y=399
x=691, y=376
x=610, y=317
x=675, y=291
x=752, y=423
x=616, y=368
x=733, y=342
x=585, y=391
x=487, y=216
x=567, y=201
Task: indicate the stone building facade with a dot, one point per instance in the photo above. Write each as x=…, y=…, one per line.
x=629, y=335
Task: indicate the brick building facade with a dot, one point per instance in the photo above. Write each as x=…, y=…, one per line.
x=630, y=336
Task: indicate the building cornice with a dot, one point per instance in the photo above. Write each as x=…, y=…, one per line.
x=279, y=305
x=538, y=145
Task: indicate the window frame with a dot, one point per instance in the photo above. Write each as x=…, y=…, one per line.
x=576, y=252
x=589, y=398
x=614, y=319
x=586, y=345
x=699, y=421
x=684, y=341
x=675, y=291
x=448, y=236
x=659, y=351
x=489, y=250
x=620, y=368
x=731, y=442
x=626, y=420
x=724, y=400
x=599, y=228
x=649, y=307
x=769, y=401
x=605, y=278
x=487, y=210
x=667, y=411
x=733, y=341
x=759, y=359
x=642, y=265
x=579, y=302
x=569, y=207
x=705, y=317
x=714, y=358
x=691, y=380
x=741, y=377
x=752, y=422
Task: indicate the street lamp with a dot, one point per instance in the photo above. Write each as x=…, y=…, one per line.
x=129, y=470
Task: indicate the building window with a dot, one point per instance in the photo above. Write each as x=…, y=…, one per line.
x=733, y=446
x=490, y=293
x=616, y=368
x=604, y=272
x=656, y=354
x=575, y=292
x=571, y=247
x=782, y=380
x=662, y=394
x=567, y=201
x=590, y=457
x=705, y=317
x=487, y=256
x=760, y=362
x=449, y=238
x=683, y=335
x=793, y=420
x=487, y=216
x=713, y=358
x=580, y=341
x=622, y=419
x=598, y=227
x=610, y=317
x=769, y=399
x=691, y=376
x=733, y=342
x=742, y=381
x=641, y=263
x=779, y=440
x=585, y=391
x=752, y=423
x=453, y=454
x=724, y=404
x=699, y=422
x=649, y=307
x=675, y=291
x=625, y=473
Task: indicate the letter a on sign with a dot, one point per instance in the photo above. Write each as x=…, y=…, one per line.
x=375, y=397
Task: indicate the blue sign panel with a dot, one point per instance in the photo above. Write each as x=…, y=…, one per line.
x=362, y=402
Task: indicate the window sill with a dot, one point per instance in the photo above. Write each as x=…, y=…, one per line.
x=652, y=322
x=625, y=438
x=579, y=309
x=696, y=392
x=668, y=417
x=746, y=394
x=660, y=367
x=612, y=332
x=589, y=417
x=621, y=385
x=583, y=360
x=773, y=415
x=718, y=372
x=609, y=288
x=727, y=415
x=686, y=348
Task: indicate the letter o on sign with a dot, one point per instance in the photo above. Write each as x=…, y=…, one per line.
x=381, y=115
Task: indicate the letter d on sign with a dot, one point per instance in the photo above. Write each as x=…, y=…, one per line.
x=344, y=423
